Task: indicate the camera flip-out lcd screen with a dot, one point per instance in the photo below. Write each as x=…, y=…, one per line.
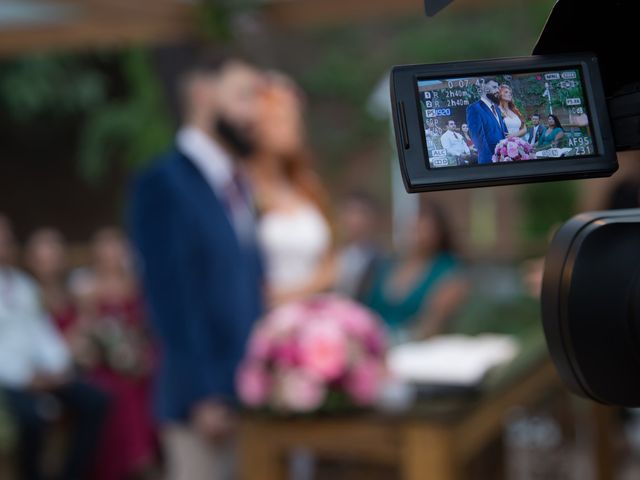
x=501, y=121
x=505, y=118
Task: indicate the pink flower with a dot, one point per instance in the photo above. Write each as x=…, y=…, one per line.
x=286, y=354
x=323, y=349
x=253, y=384
x=284, y=320
x=376, y=342
x=260, y=344
x=301, y=350
x=364, y=382
x=357, y=321
x=512, y=149
x=300, y=391
x=503, y=151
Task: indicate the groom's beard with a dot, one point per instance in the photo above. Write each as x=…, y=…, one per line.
x=236, y=138
x=493, y=97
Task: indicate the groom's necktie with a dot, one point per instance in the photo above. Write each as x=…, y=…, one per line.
x=238, y=204
x=503, y=127
x=495, y=112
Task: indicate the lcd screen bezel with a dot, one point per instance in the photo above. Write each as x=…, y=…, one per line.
x=410, y=139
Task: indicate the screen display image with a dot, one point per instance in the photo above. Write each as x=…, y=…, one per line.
x=505, y=118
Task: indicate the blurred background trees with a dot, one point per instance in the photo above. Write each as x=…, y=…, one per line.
x=98, y=114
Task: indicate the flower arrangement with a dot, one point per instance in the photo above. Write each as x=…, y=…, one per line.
x=314, y=354
x=512, y=149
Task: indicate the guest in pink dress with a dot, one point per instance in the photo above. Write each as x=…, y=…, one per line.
x=114, y=348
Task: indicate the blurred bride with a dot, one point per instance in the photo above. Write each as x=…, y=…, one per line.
x=293, y=228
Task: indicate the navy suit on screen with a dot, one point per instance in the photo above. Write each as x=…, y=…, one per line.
x=485, y=130
x=203, y=285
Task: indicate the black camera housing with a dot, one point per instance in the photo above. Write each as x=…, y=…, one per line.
x=591, y=305
x=408, y=121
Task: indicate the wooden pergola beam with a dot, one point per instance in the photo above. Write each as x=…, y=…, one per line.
x=102, y=23
x=311, y=13
x=109, y=23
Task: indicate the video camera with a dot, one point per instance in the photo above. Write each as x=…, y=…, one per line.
x=579, y=110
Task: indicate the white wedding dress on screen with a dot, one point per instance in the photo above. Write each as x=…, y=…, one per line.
x=512, y=122
x=294, y=243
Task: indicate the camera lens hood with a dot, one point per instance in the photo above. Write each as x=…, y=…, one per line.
x=591, y=305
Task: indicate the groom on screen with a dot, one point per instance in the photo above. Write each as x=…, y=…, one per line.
x=486, y=125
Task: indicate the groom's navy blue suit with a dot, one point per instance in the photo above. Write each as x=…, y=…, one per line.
x=202, y=284
x=485, y=130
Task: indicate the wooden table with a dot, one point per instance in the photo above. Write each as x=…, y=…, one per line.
x=422, y=446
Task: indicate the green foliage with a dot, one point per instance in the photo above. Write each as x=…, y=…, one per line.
x=546, y=205
x=54, y=86
x=347, y=63
x=129, y=127
x=529, y=98
x=134, y=129
x=215, y=18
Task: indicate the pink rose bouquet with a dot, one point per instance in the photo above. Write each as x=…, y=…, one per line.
x=314, y=354
x=512, y=149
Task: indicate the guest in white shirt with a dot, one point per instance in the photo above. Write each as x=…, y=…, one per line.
x=35, y=374
x=455, y=144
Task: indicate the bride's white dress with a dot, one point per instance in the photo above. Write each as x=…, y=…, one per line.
x=512, y=122
x=293, y=243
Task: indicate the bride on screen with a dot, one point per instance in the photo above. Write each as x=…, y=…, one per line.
x=513, y=119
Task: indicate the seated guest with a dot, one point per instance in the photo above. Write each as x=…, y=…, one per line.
x=416, y=295
x=35, y=375
x=467, y=138
x=360, y=254
x=552, y=134
x=117, y=355
x=535, y=130
x=455, y=144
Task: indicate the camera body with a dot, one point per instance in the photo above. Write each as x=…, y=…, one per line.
x=591, y=285
x=429, y=102
x=591, y=305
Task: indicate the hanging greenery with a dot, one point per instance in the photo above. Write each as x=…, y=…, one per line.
x=133, y=129
x=129, y=126
x=45, y=85
x=545, y=206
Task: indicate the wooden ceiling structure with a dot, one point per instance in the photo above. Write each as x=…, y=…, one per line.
x=85, y=24
x=45, y=25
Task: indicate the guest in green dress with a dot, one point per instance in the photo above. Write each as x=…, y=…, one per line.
x=552, y=134
x=419, y=291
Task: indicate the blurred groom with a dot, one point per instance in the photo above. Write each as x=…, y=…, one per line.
x=484, y=118
x=193, y=226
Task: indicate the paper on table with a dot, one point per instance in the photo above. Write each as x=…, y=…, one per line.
x=451, y=359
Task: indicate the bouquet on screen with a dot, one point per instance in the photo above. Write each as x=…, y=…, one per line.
x=323, y=353
x=512, y=149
